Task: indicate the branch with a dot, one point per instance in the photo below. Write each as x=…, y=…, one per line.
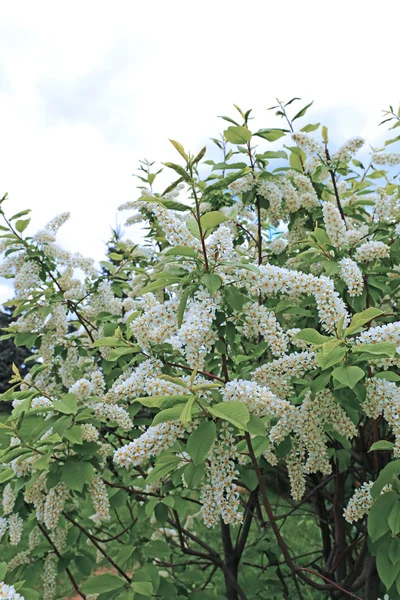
x=67, y=570
x=99, y=548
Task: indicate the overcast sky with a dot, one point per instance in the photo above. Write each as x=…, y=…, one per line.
x=88, y=88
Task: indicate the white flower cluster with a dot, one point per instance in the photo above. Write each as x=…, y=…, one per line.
x=54, y=505
x=3, y=526
x=278, y=245
x=245, y=184
x=308, y=144
x=54, y=225
x=278, y=373
x=136, y=382
x=360, y=503
x=9, y=498
x=387, y=208
x=259, y=320
x=8, y=592
x=272, y=280
x=347, y=151
x=383, y=397
x=101, y=503
x=288, y=195
x=273, y=193
x=115, y=413
x=334, y=225
x=15, y=527
x=36, y=495
x=220, y=244
x=305, y=424
x=259, y=399
x=157, y=322
x=26, y=279
x=49, y=576
x=219, y=494
x=82, y=388
x=370, y=251
x=351, y=274
x=386, y=158
x=22, y=558
x=382, y=333
x=175, y=229
x=105, y=300
x=150, y=443
x=89, y=433
x=196, y=336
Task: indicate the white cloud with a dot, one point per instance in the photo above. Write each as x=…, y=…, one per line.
x=88, y=88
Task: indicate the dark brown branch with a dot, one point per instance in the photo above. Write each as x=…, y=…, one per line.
x=97, y=545
x=67, y=570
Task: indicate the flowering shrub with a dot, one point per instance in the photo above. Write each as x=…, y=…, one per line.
x=239, y=372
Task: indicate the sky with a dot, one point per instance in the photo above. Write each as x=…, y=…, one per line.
x=89, y=88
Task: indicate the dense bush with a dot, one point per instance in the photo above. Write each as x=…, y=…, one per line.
x=214, y=413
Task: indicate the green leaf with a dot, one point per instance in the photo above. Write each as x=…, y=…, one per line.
x=180, y=170
x=160, y=284
x=303, y=111
x=256, y=426
x=309, y=128
x=200, y=155
x=163, y=468
x=312, y=336
x=380, y=348
x=181, y=251
x=193, y=474
x=180, y=149
x=330, y=358
x=394, y=550
x=387, y=571
x=348, y=376
x=99, y=584
x=200, y=441
x=67, y=405
x=232, y=411
x=234, y=298
x=378, y=515
x=186, y=414
x=394, y=519
x=22, y=224
x=6, y=475
x=272, y=154
x=144, y=588
x=108, y=342
x=162, y=401
x=388, y=375
x=212, y=219
x=116, y=353
x=271, y=134
x=170, y=414
x=385, y=476
x=237, y=135
x=74, y=434
x=381, y=445
x=362, y=318
x=3, y=570
x=42, y=463
x=193, y=228
x=72, y=476
x=226, y=166
x=212, y=282
x=182, y=305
